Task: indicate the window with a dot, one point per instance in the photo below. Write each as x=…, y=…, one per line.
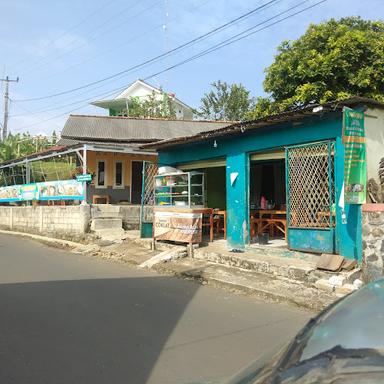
x=119, y=174
x=101, y=182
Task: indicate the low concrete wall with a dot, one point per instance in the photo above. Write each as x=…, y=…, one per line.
x=373, y=241
x=69, y=222
x=131, y=215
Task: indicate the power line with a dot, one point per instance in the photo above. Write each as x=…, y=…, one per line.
x=239, y=36
x=221, y=45
x=202, y=53
x=103, y=54
x=188, y=43
x=95, y=36
x=29, y=112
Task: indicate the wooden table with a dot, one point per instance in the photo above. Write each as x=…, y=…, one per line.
x=275, y=220
x=272, y=212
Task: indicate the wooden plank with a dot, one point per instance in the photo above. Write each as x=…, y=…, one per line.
x=330, y=262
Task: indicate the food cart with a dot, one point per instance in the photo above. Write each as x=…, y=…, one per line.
x=179, y=207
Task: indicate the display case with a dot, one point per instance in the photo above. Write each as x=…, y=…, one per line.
x=184, y=190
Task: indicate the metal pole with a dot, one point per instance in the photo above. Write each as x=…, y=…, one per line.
x=6, y=106
x=6, y=101
x=84, y=172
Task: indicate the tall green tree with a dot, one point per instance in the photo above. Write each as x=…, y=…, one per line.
x=331, y=61
x=225, y=102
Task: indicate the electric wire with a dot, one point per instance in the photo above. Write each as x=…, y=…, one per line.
x=217, y=46
x=188, y=43
x=97, y=35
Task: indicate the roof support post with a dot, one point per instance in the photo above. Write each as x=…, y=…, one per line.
x=27, y=172
x=237, y=186
x=84, y=159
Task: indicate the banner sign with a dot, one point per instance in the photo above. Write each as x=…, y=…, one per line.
x=50, y=190
x=84, y=177
x=178, y=226
x=8, y=194
x=60, y=190
x=355, y=167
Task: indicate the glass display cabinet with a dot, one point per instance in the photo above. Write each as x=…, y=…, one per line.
x=184, y=190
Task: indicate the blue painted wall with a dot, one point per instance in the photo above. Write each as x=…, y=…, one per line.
x=237, y=201
x=236, y=149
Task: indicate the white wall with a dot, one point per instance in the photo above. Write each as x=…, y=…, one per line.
x=142, y=91
x=374, y=132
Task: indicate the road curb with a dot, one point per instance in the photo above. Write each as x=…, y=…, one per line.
x=45, y=239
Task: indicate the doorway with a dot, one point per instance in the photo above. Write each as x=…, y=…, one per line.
x=267, y=198
x=136, y=181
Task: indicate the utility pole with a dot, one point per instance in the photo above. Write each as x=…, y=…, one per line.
x=7, y=80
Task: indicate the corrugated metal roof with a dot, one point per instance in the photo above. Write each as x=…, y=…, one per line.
x=271, y=120
x=71, y=142
x=128, y=129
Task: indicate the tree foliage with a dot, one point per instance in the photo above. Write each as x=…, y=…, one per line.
x=331, y=61
x=19, y=145
x=151, y=106
x=225, y=102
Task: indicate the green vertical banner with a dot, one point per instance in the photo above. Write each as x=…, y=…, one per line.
x=355, y=167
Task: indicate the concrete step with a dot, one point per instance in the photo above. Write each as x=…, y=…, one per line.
x=105, y=211
x=263, y=286
x=275, y=262
x=259, y=261
x=106, y=223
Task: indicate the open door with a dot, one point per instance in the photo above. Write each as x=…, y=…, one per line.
x=311, y=197
x=136, y=181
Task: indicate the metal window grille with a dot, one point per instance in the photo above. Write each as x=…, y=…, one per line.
x=148, y=193
x=311, y=193
x=149, y=173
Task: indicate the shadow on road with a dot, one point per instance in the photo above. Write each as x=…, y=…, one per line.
x=87, y=331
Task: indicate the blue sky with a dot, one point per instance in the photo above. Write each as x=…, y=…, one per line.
x=57, y=45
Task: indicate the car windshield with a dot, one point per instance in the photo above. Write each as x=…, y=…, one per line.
x=354, y=323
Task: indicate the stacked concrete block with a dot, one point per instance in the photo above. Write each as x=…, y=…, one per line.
x=373, y=245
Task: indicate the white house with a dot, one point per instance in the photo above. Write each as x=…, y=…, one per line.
x=140, y=89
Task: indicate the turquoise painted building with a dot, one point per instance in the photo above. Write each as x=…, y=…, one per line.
x=295, y=160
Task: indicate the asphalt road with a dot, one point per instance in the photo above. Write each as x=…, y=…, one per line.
x=68, y=318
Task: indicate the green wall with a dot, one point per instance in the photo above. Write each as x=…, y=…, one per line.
x=215, y=187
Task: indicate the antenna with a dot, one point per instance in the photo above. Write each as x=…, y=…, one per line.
x=166, y=37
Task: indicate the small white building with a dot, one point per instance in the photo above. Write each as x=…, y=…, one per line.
x=142, y=91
